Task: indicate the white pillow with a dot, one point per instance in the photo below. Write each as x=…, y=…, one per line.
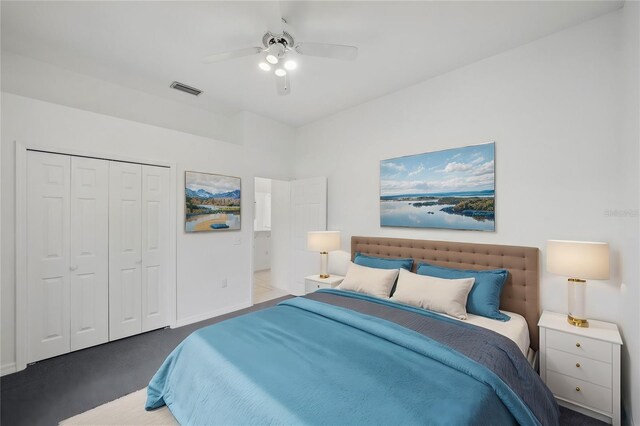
x=373, y=281
x=436, y=294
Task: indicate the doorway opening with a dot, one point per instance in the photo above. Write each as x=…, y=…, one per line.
x=266, y=233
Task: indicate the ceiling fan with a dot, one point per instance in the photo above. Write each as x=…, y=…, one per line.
x=279, y=49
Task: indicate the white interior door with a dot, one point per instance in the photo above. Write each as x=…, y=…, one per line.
x=125, y=249
x=155, y=241
x=89, y=268
x=281, y=234
x=309, y=213
x=48, y=193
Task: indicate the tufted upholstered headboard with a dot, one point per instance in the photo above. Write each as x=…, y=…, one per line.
x=521, y=291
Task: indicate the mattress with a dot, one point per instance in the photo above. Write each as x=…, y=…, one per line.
x=515, y=329
x=338, y=357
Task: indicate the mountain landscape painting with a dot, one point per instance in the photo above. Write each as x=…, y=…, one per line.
x=450, y=189
x=212, y=202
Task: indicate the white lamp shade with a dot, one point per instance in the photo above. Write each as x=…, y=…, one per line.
x=578, y=259
x=323, y=241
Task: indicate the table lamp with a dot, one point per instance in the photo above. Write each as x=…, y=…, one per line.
x=324, y=242
x=578, y=260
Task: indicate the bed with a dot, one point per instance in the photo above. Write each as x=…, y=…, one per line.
x=340, y=357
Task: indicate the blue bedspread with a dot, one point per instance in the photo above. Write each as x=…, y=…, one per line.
x=309, y=362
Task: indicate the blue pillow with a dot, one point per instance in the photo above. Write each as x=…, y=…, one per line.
x=484, y=297
x=382, y=262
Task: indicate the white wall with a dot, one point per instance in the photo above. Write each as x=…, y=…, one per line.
x=261, y=250
x=40, y=80
x=566, y=154
x=631, y=132
x=203, y=259
x=262, y=206
x=262, y=224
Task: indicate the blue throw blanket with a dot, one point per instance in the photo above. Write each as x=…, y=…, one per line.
x=310, y=362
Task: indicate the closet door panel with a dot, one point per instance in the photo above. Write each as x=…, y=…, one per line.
x=48, y=205
x=125, y=249
x=155, y=237
x=89, y=276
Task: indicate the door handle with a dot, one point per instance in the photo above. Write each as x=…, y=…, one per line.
x=73, y=268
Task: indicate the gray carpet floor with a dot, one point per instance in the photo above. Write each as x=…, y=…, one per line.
x=58, y=388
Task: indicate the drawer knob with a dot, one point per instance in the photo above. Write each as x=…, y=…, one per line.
x=577, y=388
x=578, y=364
x=578, y=345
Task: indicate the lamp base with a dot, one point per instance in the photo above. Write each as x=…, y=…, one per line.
x=577, y=322
x=576, y=315
x=324, y=260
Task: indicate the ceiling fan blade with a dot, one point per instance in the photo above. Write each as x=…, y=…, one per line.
x=334, y=51
x=231, y=55
x=283, y=85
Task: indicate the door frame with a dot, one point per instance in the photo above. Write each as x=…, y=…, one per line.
x=253, y=210
x=21, y=330
x=253, y=233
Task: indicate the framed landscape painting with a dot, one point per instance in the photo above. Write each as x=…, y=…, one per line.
x=450, y=189
x=212, y=202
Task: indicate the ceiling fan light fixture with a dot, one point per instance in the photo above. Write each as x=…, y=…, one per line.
x=272, y=59
x=275, y=55
x=275, y=52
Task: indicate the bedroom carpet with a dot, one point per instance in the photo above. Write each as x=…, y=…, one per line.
x=59, y=388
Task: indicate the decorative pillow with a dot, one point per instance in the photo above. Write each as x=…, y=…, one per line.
x=374, y=281
x=436, y=294
x=484, y=298
x=383, y=262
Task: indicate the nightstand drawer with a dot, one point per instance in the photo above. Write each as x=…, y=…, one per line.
x=578, y=367
x=580, y=392
x=311, y=286
x=578, y=345
x=315, y=282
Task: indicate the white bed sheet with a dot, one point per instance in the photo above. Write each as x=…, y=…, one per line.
x=515, y=329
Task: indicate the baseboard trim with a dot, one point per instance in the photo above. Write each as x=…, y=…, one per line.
x=7, y=369
x=181, y=322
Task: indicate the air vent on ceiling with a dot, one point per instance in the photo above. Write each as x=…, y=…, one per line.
x=186, y=89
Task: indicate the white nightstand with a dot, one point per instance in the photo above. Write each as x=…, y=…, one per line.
x=314, y=282
x=581, y=366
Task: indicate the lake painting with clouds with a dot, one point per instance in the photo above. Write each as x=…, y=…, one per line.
x=450, y=189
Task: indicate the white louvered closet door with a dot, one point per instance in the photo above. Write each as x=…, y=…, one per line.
x=125, y=249
x=155, y=240
x=48, y=193
x=89, y=267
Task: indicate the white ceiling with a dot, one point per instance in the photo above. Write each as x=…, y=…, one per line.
x=147, y=45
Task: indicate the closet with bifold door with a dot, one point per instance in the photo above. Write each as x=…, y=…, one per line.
x=97, y=255
x=138, y=237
